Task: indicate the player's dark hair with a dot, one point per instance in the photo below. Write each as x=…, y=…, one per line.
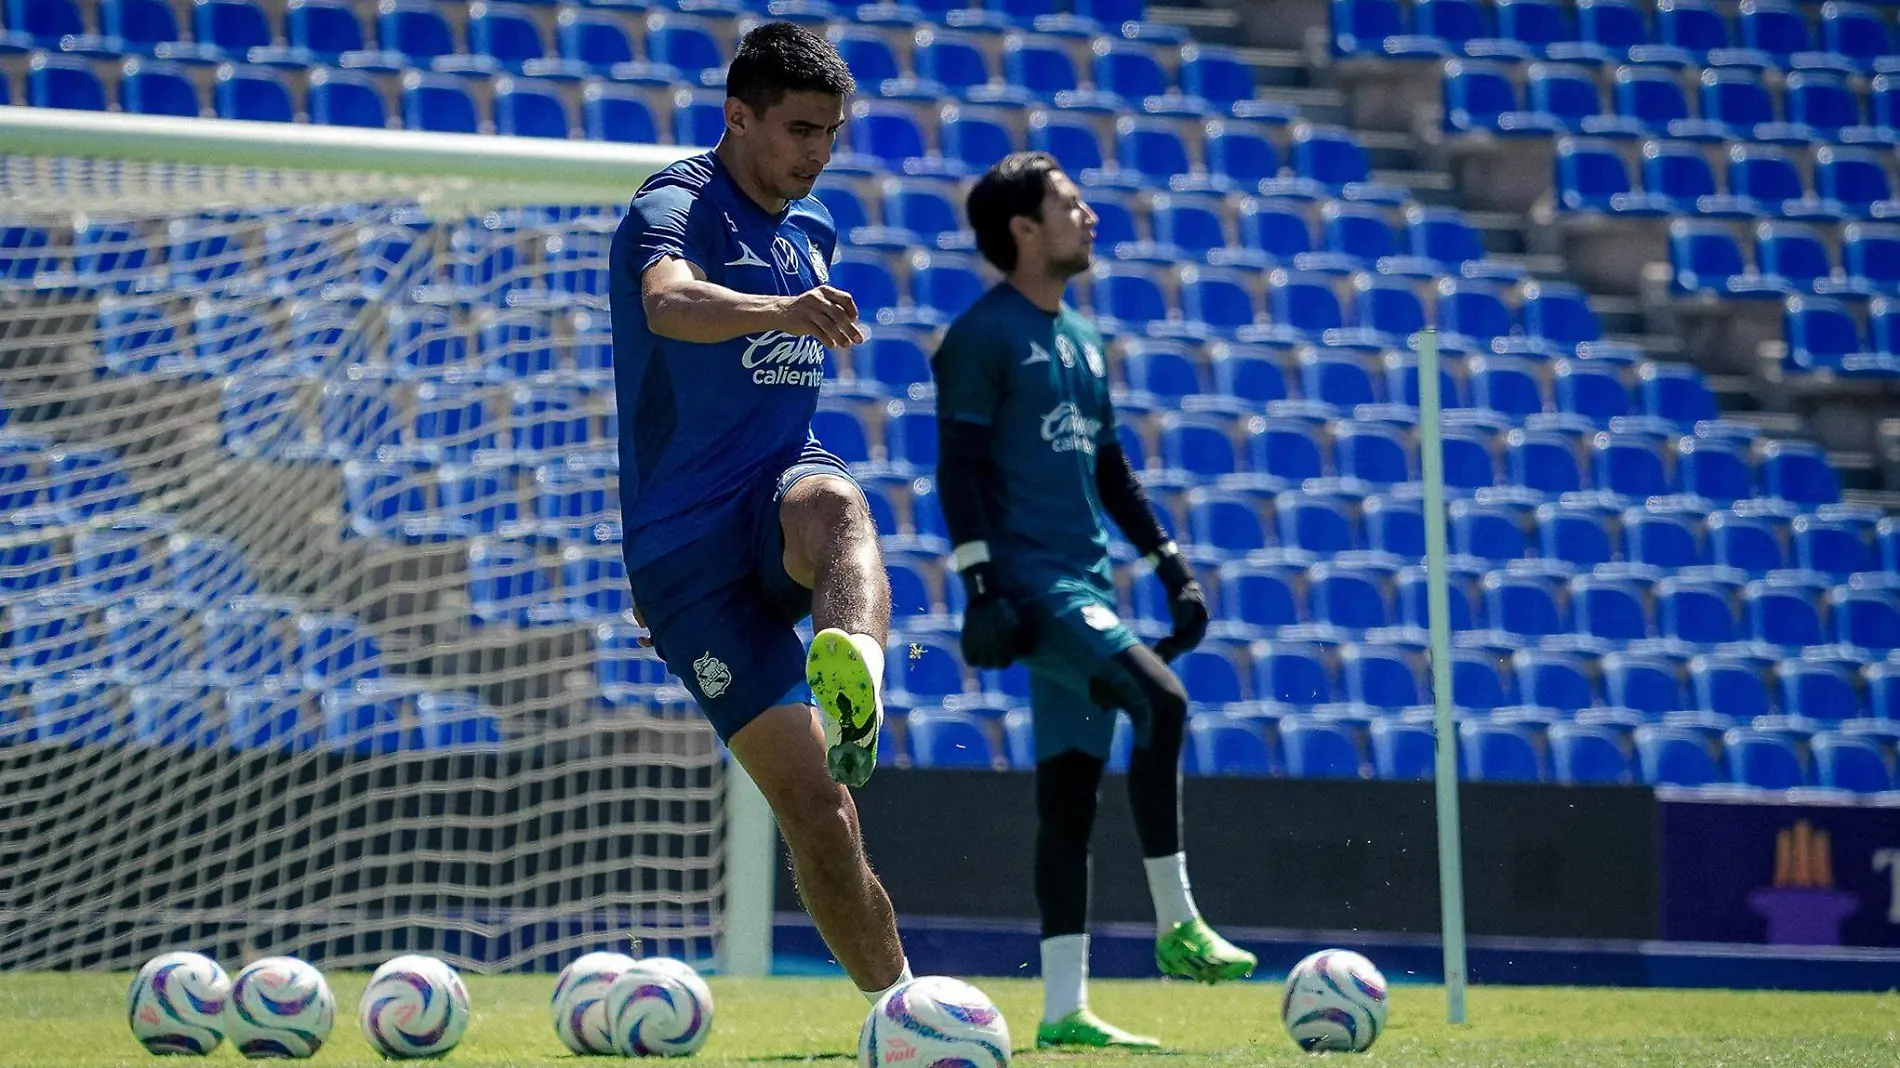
x=1015, y=186
x=779, y=58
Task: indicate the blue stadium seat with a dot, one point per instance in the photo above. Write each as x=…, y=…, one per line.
x=1256, y=597
x=943, y=285
x=894, y=358
x=1331, y=376
x=526, y=109
x=416, y=30
x=1240, y=155
x=1465, y=27
x=842, y=433
x=1544, y=461
x=1190, y=226
x=1481, y=99
x=549, y=419
x=1694, y=611
x=138, y=26
x=154, y=87
x=1074, y=144
x=1817, y=690
x=1278, y=232
x=1284, y=449
x=233, y=26
x=1766, y=178
x=209, y=571
x=507, y=584
x=1402, y=751
x=1210, y=676
x=1505, y=385
x=1694, y=26
x=1127, y=299
x=324, y=30
x=911, y=434
x=1628, y=464
x=889, y=132
x=483, y=498
x=1781, y=615
x=1395, y=526
x=1132, y=71
x=942, y=738
x=1824, y=335
x=1220, y=744
x=1870, y=254
x=1471, y=314
x=926, y=670
x=1331, y=161
x=1792, y=257
x=1833, y=546
x=1714, y=469
x=380, y=499
x=1762, y=759
x=1291, y=673
x=1799, y=472
x=572, y=503
x=1609, y=609
x=1476, y=682
x=975, y=138
x=1856, y=179
x=1487, y=531
x=1573, y=536
x=960, y=63
x=1386, y=312
x=1218, y=302
x=594, y=41
x=1225, y=81
x=269, y=716
x=689, y=45
x=1163, y=370
x=1523, y=606
x=1566, y=99
x=1412, y=595
x=1850, y=762
x=1822, y=104
x=1347, y=597
x=1665, y=541
x=86, y=481
x=1381, y=677
x=1730, y=686
x=1314, y=523
x=1674, y=756
x=1224, y=521
x=1857, y=33
x=1553, y=680
x=867, y=277
x=1445, y=240
x=346, y=98
x=335, y=649
x=1679, y=174
x=253, y=94
x=1706, y=258
x=1199, y=446
x=1558, y=321
x=245, y=639
x=1591, y=177
x=1498, y=753
x=47, y=21
x=1589, y=756
x=1251, y=376
x=1737, y=104
x=1371, y=453
x=1748, y=543
x=1317, y=748
x=1865, y=619
x=1042, y=65
x=438, y=103
x=63, y=82
x=1647, y=684
x=1379, y=28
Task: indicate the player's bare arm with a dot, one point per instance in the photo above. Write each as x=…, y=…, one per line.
x=682, y=305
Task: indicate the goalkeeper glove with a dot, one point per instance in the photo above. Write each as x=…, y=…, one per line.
x=992, y=629
x=1187, y=604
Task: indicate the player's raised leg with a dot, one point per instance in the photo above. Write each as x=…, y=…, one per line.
x=1185, y=946
x=831, y=549
x=783, y=751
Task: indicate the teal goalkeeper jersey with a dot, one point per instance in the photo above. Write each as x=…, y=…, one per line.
x=1040, y=383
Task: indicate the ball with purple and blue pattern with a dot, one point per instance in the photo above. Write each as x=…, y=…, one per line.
x=934, y=1022
x=579, y=1004
x=176, y=1004
x=1335, y=1001
x=280, y=1007
x=660, y=1007
x=414, y=1006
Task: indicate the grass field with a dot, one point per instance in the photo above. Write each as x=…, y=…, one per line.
x=58, y=1020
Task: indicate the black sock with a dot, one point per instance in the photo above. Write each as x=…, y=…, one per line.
x=1154, y=770
x=1066, y=788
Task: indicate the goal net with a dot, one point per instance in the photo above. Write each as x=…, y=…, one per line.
x=314, y=630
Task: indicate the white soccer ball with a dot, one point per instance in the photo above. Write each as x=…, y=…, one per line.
x=660, y=1007
x=1335, y=1000
x=414, y=1006
x=280, y=1007
x=579, y=1004
x=933, y=1021
x=176, y=1004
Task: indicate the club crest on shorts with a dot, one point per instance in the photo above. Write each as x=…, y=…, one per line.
x=1099, y=616
x=713, y=675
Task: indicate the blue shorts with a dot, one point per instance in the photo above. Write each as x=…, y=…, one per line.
x=1078, y=635
x=722, y=610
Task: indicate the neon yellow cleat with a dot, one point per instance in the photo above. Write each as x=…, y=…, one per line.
x=846, y=696
x=1084, y=1028
x=1193, y=951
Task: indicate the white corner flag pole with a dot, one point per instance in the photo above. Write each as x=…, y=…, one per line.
x=1451, y=890
x=751, y=875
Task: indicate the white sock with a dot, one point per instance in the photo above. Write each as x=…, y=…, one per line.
x=903, y=977
x=873, y=655
x=1065, y=976
x=1168, y=885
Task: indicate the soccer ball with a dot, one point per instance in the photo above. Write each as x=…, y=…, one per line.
x=176, y=1004
x=659, y=1007
x=414, y=1006
x=579, y=1004
x=279, y=1007
x=1335, y=1000
x=934, y=1022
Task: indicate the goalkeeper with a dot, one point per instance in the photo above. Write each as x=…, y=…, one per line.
x=1030, y=464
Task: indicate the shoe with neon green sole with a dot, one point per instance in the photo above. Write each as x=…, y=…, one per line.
x=1192, y=950
x=846, y=696
x=1084, y=1028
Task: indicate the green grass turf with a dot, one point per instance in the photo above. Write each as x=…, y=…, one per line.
x=57, y=1020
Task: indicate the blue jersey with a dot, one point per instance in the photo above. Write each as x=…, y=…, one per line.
x=700, y=424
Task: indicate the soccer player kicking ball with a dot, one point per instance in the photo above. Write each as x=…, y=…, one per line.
x=738, y=524
x=1030, y=465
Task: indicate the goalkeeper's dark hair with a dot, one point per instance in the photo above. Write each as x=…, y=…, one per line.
x=779, y=58
x=1014, y=186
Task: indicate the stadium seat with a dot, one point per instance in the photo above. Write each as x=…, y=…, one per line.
x=1609, y=609
x=867, y=277
x=139, y=26
x=1664, y=541
x=1411, y=596
x=1679, y=173
x=1381, y=677
x=687, y=44
x=1190, y=226
x=1331, y=162
x=1674, y=756
x=1833, y=546
x=1481, y=99
x=1043, y=66
x=1730, y=686
x=1499, y=753
x=1584, y=756
x=926, y=671
x=1240, y=155
x=1799, y=472
x=1317, y=524
x=1127, y=299
x=1471, y=315
x=1386, y=313
x=1706, y=258
x=1225, y=522
x=63, y=82
x=1647, y=684
x=1629, y=465
x=1316, y=748
x=1543, y=461
x=1553, y=680
x=1227, y=745
x=1762, y=759
x=1766, y=179
x=1736, y=104
x=943, y=738
x=1591, y=177
x=1489, y=532
x=1223, y=80
x=1822, y=104
x=1465, y=27
x=1256, y=597
x=596, y=42
x=1347, y=597
x=1291, y=673
x=1210, y=677
x=1476, y=682
x=1856, y=179
x=526, y=109
x=1566, y=99
x=415, y=30
x=1505, y=385
x=1444, y=240
x=1792, y=257
x=1781, y=615
x=1693, y=611
x=269, y=716
x=1811, y=689
x=253, y=94
x=1197, y=445
x=438, y=103
x=1747, y=543
x=154, y=87
x=1218, y=302
x=346, y=98
x=1379, y=28
x=1523, y=606
x=1850, y=762
x=1131, y=71
x=1371, y=454
x=1865, y=619
x=1402, y=751
x=1576, y=537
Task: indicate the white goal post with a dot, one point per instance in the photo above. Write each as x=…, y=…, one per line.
x=314, y=629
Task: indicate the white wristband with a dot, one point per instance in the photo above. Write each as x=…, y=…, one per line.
x=970, y=554
x=1168, y=548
